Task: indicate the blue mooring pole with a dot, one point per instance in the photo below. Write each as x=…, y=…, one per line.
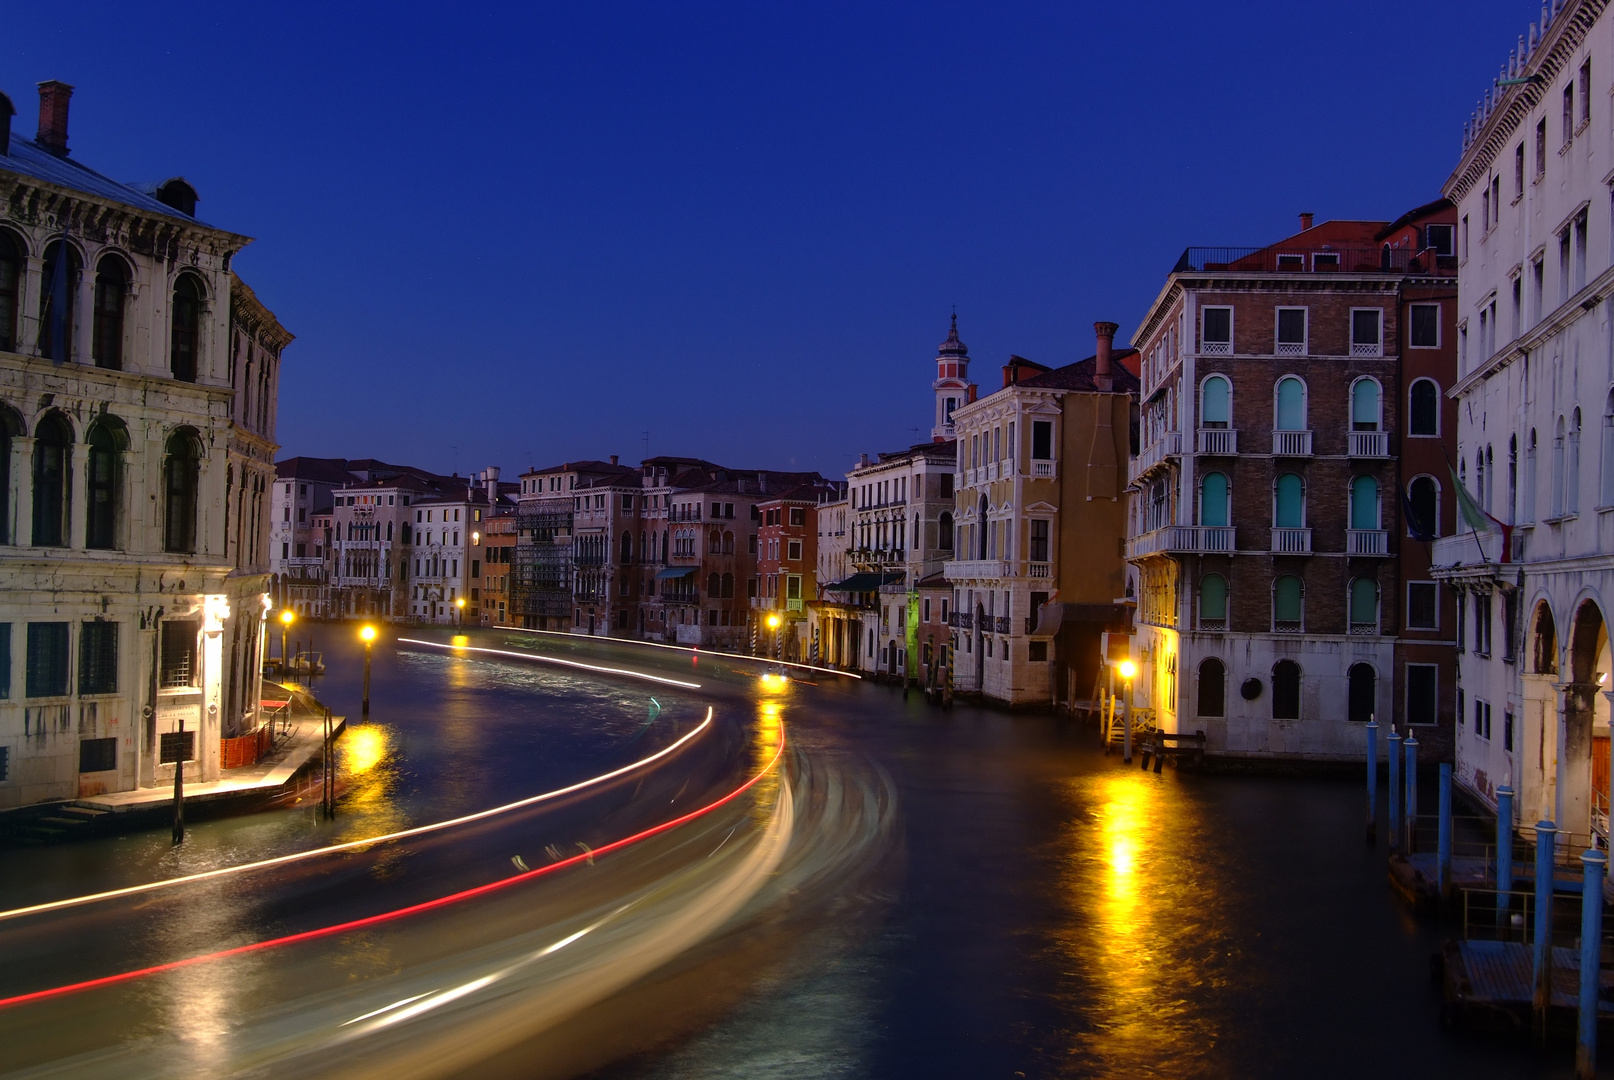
x=1411, y=808
x=1393, y=752
x=1546, y=833
x=1591, y=955
x=1504, y=853
x=1372, y=780
x=1444, y=848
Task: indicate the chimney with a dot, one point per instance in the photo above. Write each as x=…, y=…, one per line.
x=52, y=134
x=6, y=113
x=972, y=393
x=613, y=459
x=1106, y=346
x=1305, y=220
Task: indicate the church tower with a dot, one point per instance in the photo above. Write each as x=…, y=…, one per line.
x=952, y=385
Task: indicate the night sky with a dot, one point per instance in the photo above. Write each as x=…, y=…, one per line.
x=521, y=234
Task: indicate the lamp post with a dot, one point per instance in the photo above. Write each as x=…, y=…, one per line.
x=459, y=611
x=287, y=617
x=1128, y=669
x=773, y=625
x=367, y=635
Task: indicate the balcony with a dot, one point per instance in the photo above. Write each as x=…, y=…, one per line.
x=1472, y=554
x=1291, y=444
x=1370, y=444
x=1002, y=623
x=1323, y=259
x=962, y=569
x=1367, y=542
x=793, y=604
x=1186, y=539
x=1042, y=470
x=1038, y=569
x=1168, y=445
x=1218, y=441
x=1291, y=541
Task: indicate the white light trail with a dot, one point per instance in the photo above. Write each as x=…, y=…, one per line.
x=554, y=660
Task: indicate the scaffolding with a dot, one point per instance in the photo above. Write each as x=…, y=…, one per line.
x=541, y=570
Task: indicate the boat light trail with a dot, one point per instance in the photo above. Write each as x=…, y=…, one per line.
x=694, y=652
x=419, y=830
x=412, y=909
x=554, y=660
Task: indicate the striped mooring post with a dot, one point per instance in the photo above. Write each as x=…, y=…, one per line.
x=1504, y=854
x=1595, y=865
x=1444, y=846
x=1393, y=752
x=1411, y=807
x=1546, y=834
x=1372, y=780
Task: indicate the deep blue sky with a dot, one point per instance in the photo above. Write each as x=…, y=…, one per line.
x=516, y=235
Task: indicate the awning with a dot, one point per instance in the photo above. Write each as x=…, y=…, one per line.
x=675, y=572
x=861, y=583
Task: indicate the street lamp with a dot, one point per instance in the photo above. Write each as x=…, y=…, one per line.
x=287, y=617
x=1128, y=669
x=773, y=624
x=367, y=635
x=459, y=612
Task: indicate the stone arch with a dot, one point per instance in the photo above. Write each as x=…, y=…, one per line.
x=1543, y=640
x=1588, y=644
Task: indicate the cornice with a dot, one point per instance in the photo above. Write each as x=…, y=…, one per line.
x=31, y=201
x=1576, y=307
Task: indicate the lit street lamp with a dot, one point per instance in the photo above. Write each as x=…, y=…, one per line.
x=367, y=634
x=773, y=624
x=459, y=611
x=1128, y=669
x=287, y=617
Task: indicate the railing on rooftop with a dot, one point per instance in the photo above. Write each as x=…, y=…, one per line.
x=1315, y=260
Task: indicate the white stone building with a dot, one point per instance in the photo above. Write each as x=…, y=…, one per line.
x=138, y=381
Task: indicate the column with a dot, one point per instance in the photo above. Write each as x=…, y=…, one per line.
x=83, y=316
x=28, y=301
x=77, y=493
x=1574, y=775
x=131, y=494
x=19, y=530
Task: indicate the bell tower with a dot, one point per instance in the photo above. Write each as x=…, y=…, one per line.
x=952, y=383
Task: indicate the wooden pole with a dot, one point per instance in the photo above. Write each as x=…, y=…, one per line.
x=1504, y=853
x=1546, y=833
x=1372, y=780
x=1393, y=748
x=1591, y=955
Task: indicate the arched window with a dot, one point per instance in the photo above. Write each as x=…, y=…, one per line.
x=1364, y=503
x=1513, y=477
x=1606, y=485
x=185, y=341
x=111, y=289
x=1423, y=498
x=57, y=287
x=182, y=469
x=627, y=548
x=53, y=450
x=1286, y=690
x=944, y=531
x=1364, y=606
x=728, y=543
x=1289, y=502
x=1423, y=412
x=1291, y=404
x=1365, y=411
x=1363, y=693
x=103, y=478
x=1213, y=602
x=1527, y=505
x=980, y=527
x=714, y=586
x=1213, y=500
x=1212, y=687
x=1572, y=480
x=1558, y=471
x=1288, y=604
x=1216, y=402
x=728, y=586
x=11, y=264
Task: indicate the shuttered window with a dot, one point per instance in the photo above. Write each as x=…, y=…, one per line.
x=47, y=659
x=98, y=658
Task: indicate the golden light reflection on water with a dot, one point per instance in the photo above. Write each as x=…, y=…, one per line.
x=765, y=743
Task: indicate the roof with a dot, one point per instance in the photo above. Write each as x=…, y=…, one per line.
x=1079, y=376
x=583, y=466
x=802, y=493
x=319, y=470
x=27, y=158
x=1417, y=212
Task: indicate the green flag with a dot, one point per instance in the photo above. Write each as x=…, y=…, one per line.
x=1477, y=519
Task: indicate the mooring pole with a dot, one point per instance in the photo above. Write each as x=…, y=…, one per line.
x=1504, y=853
x=1546, y=832
x=1591, y=955
x=1444, y=848
x=1126, y=723
x=1372, y=780
x=179, y=786
x=1411, y=807
x=1393, y=752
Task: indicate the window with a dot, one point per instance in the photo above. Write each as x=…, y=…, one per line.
x=1291, y=404
x=1213, y=602
x=1585, y=92
x=97, y=755
x=1424, y=329
x=1424, y=408
x=1364, y=503
x=11, y=264
x=1216, y=338
x=1291, y=331
x=1291, y=261
x=1569, y=112
x=58, y=291
x=1367, y=330
x=1364, y=603
x=181, y=472
x=1439, y=237
x=185, y=335
x=1213, y=500
x=944, y=529
x=793, y=551
x=1541, y=148
x=1289, y=502
x=47, y=659
x=1572, y=468
x=1422, y=693
x=1212, y=687
x=1518, y=170
x=5, y=663
x=1423, y=508
x=98, y=658
x=1216, y=399
x=1563, y=265
x=1362, y=693
x=1423, y=605
x=1039, y=540
x=53, y=447
x=1325, y=260
x=1287, y=604
x=1482, y=624
x=798, y=515
x=101, y=487
x=1365, y=405
x=106, y=335
x=1042, y=440
x=1286, y=690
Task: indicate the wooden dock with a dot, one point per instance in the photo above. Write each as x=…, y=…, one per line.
x=1491, y=984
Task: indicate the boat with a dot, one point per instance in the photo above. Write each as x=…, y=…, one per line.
x=307, y=663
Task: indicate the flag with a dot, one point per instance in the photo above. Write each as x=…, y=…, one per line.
x=1477, y=518
x=1419, y=529
x=59, y=300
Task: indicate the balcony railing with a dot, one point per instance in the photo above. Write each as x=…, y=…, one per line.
x=1181, y=538
x=1367, y=348
x=1370, y=444
x=1287, y=626
x=1368, y=629
x=1002, y=624
x=962, y=569
x=1218, y=441
x=1469, y=548
x=1037, y=569
x=1314, y=260
x=1042, y=469
x=793, y=604
x=1168, y=445
x=1291, y=541
x=1291, y=444
x=1367, y=542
